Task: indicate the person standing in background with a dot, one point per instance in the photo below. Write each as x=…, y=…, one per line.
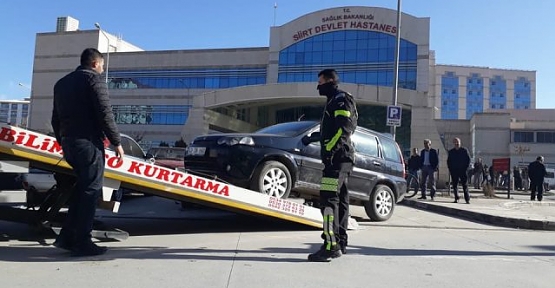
x=429, y=164
x=458, y=161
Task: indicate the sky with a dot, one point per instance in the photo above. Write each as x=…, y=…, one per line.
x=511, y=34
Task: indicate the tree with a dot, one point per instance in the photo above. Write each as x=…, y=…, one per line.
x=164, y=144
x=180, y=143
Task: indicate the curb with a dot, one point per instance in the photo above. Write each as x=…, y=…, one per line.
x=482, y=217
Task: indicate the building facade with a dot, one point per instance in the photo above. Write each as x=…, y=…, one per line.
x=14, y=112
x=164, y=96
x=461, y=91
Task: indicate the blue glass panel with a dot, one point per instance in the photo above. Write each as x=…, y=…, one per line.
x=338, y=57
x=350, y=56
x=339, y=35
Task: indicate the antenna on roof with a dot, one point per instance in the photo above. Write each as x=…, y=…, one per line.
x=275, y=12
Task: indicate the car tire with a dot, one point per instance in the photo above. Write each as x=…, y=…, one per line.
x=272, y=178
x=381, y=204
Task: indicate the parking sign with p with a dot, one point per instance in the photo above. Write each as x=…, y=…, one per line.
x=394, y=115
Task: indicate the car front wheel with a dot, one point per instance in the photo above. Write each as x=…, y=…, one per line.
x=381, y=204
x=272, y=178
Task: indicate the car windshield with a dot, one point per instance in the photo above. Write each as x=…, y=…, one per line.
x=289, y=129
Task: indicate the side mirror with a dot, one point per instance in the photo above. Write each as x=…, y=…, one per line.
x=150, y=158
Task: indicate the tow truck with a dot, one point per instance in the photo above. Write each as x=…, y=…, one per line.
x=22, y=148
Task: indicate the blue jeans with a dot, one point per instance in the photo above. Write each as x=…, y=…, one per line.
x=86, y=157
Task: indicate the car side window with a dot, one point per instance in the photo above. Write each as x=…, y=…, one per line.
x=365, y=144
x=390, y=151
x=134, y=148
x=125, y=146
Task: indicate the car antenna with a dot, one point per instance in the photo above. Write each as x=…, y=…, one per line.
x=300, y=118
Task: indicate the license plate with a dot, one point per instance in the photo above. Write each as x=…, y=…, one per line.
x=196, y=151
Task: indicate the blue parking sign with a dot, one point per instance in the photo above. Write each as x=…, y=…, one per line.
x=394, y=115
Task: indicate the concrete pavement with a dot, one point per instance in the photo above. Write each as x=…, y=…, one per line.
x=516, y=212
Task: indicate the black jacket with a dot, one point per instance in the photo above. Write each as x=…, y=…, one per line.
x=433, y=158
x=82, y=108
x=458, y=160
x=415, y=163
x=536, y=172
x=338, y=124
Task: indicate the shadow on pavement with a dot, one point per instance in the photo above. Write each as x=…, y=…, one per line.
x=271, y=254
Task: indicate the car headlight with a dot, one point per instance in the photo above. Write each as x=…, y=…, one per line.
x=230, y=141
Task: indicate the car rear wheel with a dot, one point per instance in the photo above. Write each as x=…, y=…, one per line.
x=381, y=204
x=272, y=178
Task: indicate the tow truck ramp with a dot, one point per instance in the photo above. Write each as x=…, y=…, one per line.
x=19, y=147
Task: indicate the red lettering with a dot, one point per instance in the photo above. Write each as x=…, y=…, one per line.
x=55, y=148
x=19, y=138
x=224, y=191
x=394, y=30
x=135, y=167
x=200, y=184
x=388, y=28
x=188, y=181
x=7, y=134
x=149, y=173
x=114, y=162
x=163, y=175
x=44, y=145
x=175, y=178
x=31, y=141
x=211, y=186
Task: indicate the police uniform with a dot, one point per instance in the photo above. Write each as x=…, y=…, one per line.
x=337, y=152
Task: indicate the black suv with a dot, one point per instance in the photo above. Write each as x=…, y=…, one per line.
x=274, y=161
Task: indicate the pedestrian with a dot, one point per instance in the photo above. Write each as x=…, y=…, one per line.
x=477, y=173
x=81, y=118
x=525, y=179
x=414, y=162
x=491, y=176
x=537, y=173
x=337, y=152
x=518, y=178
x=458, y=160
x=429, y=165
x=413, y=165
x=485, y=175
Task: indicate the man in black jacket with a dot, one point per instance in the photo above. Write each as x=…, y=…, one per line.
x=338, y=124
x=458, y=160
x=81, y=118
x=428, y=166
x=537, y=172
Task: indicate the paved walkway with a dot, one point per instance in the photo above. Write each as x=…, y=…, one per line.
x=516, y=212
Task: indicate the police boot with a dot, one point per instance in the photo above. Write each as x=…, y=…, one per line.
x=325, y=255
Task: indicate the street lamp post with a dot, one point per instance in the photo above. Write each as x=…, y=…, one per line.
x=107, y=51
x=396, y=65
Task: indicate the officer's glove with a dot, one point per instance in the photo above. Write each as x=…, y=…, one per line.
x=306, y=140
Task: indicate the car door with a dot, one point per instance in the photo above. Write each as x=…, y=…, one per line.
x=368, y=165
x=310, y=164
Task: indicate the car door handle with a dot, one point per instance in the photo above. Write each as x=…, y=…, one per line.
x=376, y=163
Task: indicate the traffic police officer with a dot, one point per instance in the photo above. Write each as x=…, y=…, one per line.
x=338, y=124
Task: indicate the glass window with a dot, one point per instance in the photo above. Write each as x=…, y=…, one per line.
x=365, y=144
x=369, y=47
x=525, y=137
x=390, y=150
x=546, y=137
